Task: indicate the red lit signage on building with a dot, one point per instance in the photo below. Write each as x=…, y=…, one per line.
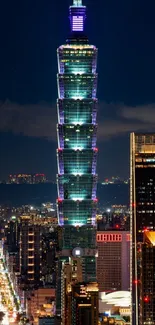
x=109, y=238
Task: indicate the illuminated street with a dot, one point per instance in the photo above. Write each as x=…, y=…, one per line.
x=7, y=305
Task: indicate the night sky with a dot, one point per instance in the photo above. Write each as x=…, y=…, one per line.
x=30, y=32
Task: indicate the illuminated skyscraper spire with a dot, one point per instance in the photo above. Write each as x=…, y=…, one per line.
x=77, y=3
x=77, y=16
x=77, y=151
x=77, y=107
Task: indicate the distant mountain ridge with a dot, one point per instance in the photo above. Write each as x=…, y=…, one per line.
x=17, y=195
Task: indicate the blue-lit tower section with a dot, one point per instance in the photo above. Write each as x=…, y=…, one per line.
x=77, y=107
x=77, y=151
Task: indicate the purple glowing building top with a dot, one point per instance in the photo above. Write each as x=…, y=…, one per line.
x=77, y=16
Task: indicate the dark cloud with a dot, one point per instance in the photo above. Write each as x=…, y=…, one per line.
x=144, y=113
x=39, y=120
x=127, y=119
x=30, y=120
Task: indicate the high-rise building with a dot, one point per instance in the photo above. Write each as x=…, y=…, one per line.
x=71, y=273
x=113, y=261
x=30, y=252
x=77, y=152
x=147, y=283
x=12, y=235
x=142, y=203
x=40, y=303
x=49, y=244
x=78, y=305
x=82, y=304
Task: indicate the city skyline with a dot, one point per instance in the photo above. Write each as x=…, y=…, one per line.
x=28, y=87
x=84, y=259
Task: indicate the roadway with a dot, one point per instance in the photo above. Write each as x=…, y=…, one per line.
x=7, y=305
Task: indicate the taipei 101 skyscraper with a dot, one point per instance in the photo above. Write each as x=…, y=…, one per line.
x=77, y=151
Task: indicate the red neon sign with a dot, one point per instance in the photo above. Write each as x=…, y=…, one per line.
x=109, y=238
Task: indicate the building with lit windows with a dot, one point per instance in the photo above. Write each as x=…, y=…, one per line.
x=30, y=252
x=71, y=273
x=27, y=178
x=142, y=203
x=40, y=305
x=77, y=152
x=82, y=304
x=12, y=235
x=113, y=261
x=147, y=276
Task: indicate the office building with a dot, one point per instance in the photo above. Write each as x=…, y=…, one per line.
x=77, y=152
x=77, y=305
x=49, y=245
x=30, y=252
x=12, y=235
x=147, y=283
x=71, y=273
x=82, y=304
x=113, y=261
x=40, y=303
x=142, y=203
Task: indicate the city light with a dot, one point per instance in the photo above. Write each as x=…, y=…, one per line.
x=77, y=97
x=146, y=299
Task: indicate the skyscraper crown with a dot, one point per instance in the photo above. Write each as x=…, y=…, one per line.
x=77, y=16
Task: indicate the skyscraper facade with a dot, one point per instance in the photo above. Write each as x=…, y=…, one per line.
x=113, y=261
x=82, y=304
x=77, y=152
x=147, y=283
x=142, y=203
x=30, y=252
